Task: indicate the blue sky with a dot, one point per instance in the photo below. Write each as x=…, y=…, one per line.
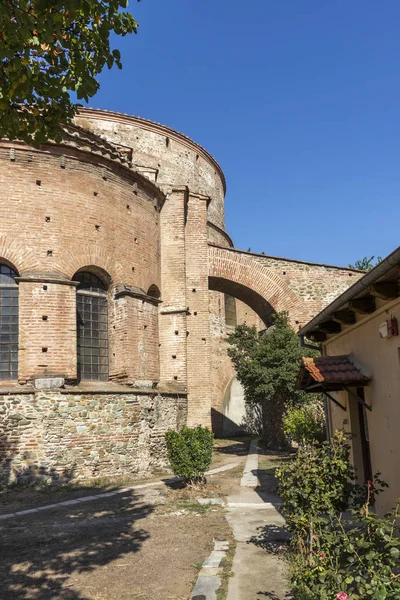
x=299, y=102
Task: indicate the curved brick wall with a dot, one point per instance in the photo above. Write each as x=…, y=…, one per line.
x=62, y=210
x=175, y=159
x=99, y=213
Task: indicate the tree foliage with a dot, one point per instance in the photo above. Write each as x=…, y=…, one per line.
x=267, y=366
x=305, y=425
x=48, y=49
x=366, y=264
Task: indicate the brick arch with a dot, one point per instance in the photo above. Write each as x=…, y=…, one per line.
x=92, y=257
x=18, y=256
x=263, y=289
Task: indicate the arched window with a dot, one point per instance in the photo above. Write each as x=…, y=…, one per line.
x=8, y=323
x=92, y=337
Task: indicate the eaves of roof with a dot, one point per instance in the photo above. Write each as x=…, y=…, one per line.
x=356, y=289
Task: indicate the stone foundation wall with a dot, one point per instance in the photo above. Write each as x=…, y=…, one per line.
x=50, y=435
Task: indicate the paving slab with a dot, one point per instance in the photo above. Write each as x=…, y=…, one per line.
x=250, y=477
x=259, y=569
x=207, y=501
x=206, y=588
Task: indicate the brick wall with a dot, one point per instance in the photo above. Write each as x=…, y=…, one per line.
x=65, y=210
x=47, y=330
x=173, y=311
x=174, y=159
x=267, y=284
x=89, y=212
x=198, y=326
x=133, y=340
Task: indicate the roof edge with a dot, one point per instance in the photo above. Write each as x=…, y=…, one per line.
x=359, y=286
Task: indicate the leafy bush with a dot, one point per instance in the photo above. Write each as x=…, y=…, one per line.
x=317, y=481
x=356, y=560
x=332, y=557
x=190, y=452
x=305, y=425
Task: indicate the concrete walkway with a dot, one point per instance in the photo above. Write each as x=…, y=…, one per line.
x=258, y=571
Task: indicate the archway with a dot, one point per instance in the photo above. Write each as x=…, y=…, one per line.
x=233, y=288
x=241, y=275
x=237, y=416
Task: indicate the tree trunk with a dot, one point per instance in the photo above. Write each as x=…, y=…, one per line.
x=273, y=435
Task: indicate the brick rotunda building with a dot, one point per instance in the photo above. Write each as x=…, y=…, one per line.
x=118, y=284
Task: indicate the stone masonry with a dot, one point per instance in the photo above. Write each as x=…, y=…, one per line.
x=54, y=436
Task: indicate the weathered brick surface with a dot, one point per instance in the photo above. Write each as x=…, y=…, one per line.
x=198, y=326
x=302, y=289
x=116, y=230
x=50, y=435
x=47, y=347
x=173, y=313
x=175, y=159
x=133, y=340
x=84, y=212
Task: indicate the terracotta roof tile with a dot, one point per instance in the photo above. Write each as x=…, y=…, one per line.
x=332, y=371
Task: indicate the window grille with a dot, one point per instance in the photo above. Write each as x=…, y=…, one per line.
x=92, y=326
x=8, y=324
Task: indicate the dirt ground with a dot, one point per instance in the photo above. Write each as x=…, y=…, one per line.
x=143, y=544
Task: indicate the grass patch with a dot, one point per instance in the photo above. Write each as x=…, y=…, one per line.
x=225, y=572
x=193, y=507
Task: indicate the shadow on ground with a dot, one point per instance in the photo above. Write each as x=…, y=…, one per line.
x=271, y=538
x=40, y=553
x=237, y=447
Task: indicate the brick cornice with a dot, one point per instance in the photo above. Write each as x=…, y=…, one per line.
x=134, y=292
x=45, y=279
x=75, y=148
x=222, y=232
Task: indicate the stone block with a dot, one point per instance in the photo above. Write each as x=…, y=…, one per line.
x=49, y=383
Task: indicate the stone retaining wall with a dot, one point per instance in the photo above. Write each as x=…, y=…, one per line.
x=50, y=435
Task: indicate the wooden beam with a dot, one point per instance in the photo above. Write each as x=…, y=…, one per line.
x=364, y=305
x=345, y=317
x=334, y=400
x=330, y=327
x=386, y=290
x=356, y=397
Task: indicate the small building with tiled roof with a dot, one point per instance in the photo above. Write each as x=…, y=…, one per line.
x=359, y=371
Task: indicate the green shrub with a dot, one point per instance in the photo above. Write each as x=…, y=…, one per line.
x=356, y=560
x=190, y=452
x=317, y=481
x=332, y=557
x=305, y=425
